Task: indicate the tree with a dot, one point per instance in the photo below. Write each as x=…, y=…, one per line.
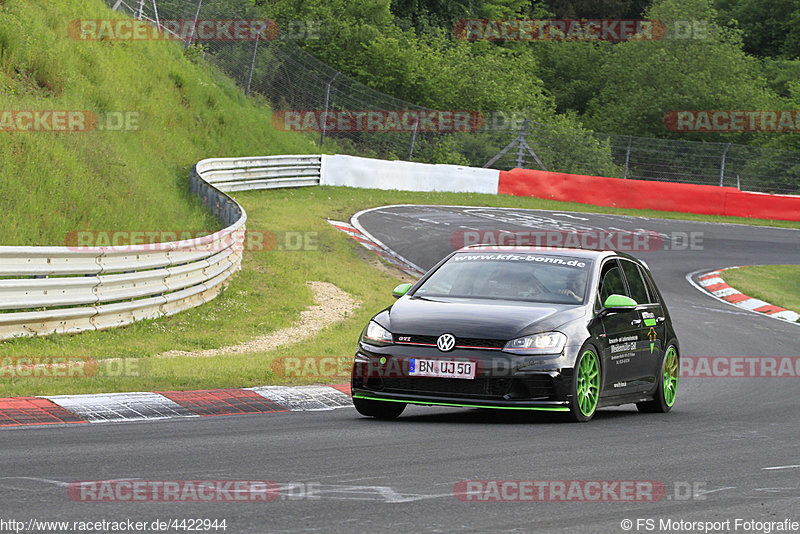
x=771, y=28
x=593, y=9
x=644, y=80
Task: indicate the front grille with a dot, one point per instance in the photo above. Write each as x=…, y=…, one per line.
x=478, y=342
x=486, y=387
x=460, y=341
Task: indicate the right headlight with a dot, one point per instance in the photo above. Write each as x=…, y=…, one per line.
x=544, y=343
x=375, y=334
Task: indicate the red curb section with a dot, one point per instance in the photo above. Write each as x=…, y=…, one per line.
x=736, y=297
x=223, y=401
x=344, y=388
x=717, y=287
x=26, y=411
x=769, y=309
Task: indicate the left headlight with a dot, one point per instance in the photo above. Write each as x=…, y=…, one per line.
x=544, y=343
x=375, y=334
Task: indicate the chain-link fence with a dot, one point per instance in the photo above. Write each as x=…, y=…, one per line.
x=539, y=146
x=293, y=80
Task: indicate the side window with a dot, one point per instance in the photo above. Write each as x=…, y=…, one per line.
x=635, y=282
x=650, y=286
x=611, y=281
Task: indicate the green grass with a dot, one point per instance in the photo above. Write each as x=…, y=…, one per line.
x=267, y=294
x=778, y=285
x=52, y=184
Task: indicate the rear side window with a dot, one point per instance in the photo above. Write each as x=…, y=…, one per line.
x=635, y=282
x=651, y=286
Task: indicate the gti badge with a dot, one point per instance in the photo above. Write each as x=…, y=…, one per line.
x=446, y=342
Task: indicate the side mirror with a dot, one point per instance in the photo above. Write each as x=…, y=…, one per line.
x=401, y=290
x=619, y=303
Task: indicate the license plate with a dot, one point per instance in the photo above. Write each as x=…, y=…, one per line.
x=441, y=368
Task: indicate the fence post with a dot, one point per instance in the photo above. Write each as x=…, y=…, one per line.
x=520, y=145
x=413, y=139
x=325, y=111
x=155, y=11
x=252, y=66
x=194, y=24
x=139, y=10
x=722, y=166
x=627, y=157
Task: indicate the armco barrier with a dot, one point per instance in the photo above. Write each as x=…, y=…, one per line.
x=45, y=290
x=644, y=194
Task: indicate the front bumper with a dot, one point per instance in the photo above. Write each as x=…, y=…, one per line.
x=502, y=380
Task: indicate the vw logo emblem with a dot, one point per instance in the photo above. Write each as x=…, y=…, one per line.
x=446, y=342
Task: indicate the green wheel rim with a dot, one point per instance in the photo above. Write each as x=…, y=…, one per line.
x=670, y=376
x=588, y=386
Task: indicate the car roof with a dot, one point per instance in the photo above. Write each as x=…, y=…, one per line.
x=576, y=252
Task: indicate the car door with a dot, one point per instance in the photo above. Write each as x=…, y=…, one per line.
x=623, y=333
x=648, y=365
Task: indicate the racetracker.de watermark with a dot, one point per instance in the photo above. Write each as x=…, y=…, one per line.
x=173, y=30
x=740, y=366
x=577, y=30
x=731, y=120
x=242, y=491
x=195, y=240
x=313, y=366
x=378, y=120
x=73, y=121
x=56, y=367
x=620, y=240
x=173, y=490
x=576, y=491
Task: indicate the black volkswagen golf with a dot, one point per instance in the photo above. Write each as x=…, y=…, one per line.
x=521, y=328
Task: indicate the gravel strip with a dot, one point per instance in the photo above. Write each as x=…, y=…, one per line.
x=332, y=306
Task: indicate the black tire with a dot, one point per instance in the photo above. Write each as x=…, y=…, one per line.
x=379, y=409
x=661, y=402
x=582, y=411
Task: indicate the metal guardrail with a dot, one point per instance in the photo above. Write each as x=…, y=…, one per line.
x=46, y=290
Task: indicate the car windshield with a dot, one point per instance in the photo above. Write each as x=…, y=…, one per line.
x=514, y=276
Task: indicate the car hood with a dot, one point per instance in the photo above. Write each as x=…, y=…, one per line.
x=477, y=318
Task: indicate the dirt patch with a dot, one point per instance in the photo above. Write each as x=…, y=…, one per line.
x=332, y=305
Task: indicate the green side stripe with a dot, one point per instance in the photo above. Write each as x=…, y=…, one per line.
x=649, y=322
x=538, y=408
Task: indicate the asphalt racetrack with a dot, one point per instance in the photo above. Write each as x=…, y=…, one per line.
x=729, y=450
